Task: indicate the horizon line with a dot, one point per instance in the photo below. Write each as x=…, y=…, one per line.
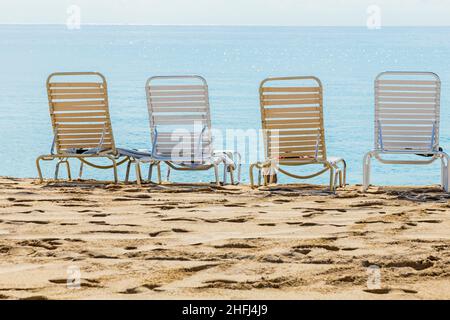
x=224, y=25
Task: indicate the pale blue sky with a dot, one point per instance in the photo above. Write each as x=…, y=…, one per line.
x=229, y=12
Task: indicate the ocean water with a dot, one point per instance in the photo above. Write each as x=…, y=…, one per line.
x=233, y=60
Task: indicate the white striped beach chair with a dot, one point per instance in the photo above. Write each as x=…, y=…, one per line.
x=407, y=121
x=293, y=126
x=180, y=124
x=79, y=111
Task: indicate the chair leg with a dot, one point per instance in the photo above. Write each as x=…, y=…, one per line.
x=225, y=169
x=445, y=172
x=366, y=170
x=332, y=177
x=150, y=172
x=114, y=165
x=127, y=174
x=272, y=174
x=252, y=166
x=69, y=176
x=57, y=169
x=137, y=166
x=38, y=166
x=337, y=177
x=80, y=172
x=158, y=169
x=232, y=175
x=344, y=178
x=236, y=156
x=239, y=167
x=168, y=173
x=265, y=177
x=216, y=174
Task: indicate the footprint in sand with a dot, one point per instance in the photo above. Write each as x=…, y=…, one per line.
x=74, y=205
x=30, y=211
x=210, y=220
x=388, y=290
x=416, y=265
x=179, y=219
x=235, y=245
x=24, y=193
x=310, y=215
x=429, y=221
x=161, y=207
x=217, y=283
x=139, y=196
x=136, y=290
x=372, y=221
x=89, y=210
x=112, y=231
x=157, y=233
x=200, y=267
x=38, y=244
x=58, y=281
x=131, y=291
x=99, y=222
x=89, y=283
x=281, y=201
x=236, y=220
x=239, y=205
x=33, y=221
x=317, y=246
x=73, y=240
x=152, y=286
x=100, y=215
x=275, y=283
x=168, y=258
x=302, y=224
x=34, y=298
x=100, y=256
x=122, y=199
x=370, y=203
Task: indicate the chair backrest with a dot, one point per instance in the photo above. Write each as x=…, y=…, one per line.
x=180, y=120
x=292, y=119
x=407, y=111
x=79, y=111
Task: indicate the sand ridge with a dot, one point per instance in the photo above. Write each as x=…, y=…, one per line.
x=203, y=241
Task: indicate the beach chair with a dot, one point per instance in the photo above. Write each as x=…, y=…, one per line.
x=292, y=122
x=79, y=112
x=180, y=124
x=407, y=121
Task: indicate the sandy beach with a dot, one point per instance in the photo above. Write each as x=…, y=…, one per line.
x=207, y=242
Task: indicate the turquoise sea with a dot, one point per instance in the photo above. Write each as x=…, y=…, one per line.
x=233, y=60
